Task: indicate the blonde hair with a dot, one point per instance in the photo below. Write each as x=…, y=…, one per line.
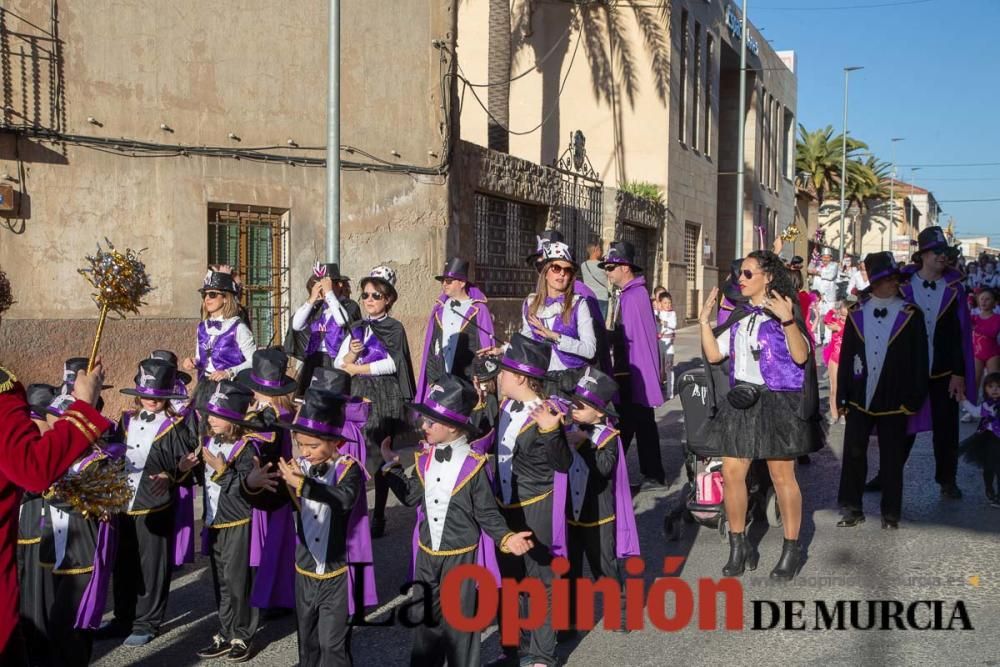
x=168, y=407
x=281, y=402
x=542, y=291
x=230, y=306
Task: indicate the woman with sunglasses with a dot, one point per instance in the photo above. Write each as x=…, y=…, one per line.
x=772, y=409
x=377, y=358
x=555, y=313
x=225, y=344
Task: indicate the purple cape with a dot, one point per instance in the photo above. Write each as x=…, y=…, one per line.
x=483, y=325
x=636, y=314
x=626, y=533
x=359, y=545
x=603, y=356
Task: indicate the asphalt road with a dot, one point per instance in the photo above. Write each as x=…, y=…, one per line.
x=945, y=550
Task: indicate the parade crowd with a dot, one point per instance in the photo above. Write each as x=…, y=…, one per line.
x=523, y=442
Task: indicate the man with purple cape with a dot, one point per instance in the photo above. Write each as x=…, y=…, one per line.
x=636, y=360
x=458, y=519
x=459, y=326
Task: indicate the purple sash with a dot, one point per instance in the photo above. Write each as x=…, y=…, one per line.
x=373, y=351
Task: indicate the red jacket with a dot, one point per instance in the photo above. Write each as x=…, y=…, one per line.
x=32, y=462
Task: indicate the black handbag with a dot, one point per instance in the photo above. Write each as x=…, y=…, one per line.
x=743, y=396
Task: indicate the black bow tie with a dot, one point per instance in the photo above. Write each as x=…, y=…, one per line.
x=442, y=454
x=147, y=416
x=319, y=470
x=587, y=428
x=214, y=324
x=516, y=406
x=455, y=304
x=930, y=284
x=881, y=312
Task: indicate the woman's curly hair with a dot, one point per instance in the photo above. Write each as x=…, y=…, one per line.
x=6, y=297
x=771, y=264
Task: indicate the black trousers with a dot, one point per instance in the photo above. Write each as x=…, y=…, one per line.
x=67, y=645
x=639, y=421
x=892, y=443
x=944, y=423
x=536, y=564
x=433, y=645
x=598, y=545
x=323, y=628
x=142, y=570
x=36, y=598
x=232, y=578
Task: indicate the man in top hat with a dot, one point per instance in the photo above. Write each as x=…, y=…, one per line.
x=882, y=379
x=459, y=326
x=32, y=462
x=458, y=521
x=636, y=359
x=320, y=324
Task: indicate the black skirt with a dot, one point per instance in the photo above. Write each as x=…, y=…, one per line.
x=769, y=429
x=388, y=411
x=982, y=449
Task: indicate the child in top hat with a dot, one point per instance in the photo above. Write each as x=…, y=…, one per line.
x=225, y=344
x=159, y=456
x=532, y=457
x=327, y=488
x=377, y=357
x=882, y=380
x=485, y=370
x=272, y=547
x=320, y=324
x=181, y=406
x=983, y=448
x=456, y=510
x=231, y=457
x=599, y=514
x=459, y=326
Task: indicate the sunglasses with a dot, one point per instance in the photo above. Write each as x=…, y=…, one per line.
x=447, y=281
x=939, y=251
x=211, y=295
x=377, y=296
x=559, y=269
x=748, y=274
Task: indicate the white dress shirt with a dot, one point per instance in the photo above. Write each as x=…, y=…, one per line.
x=315, y=517
x=213, y=490
x=585, y=346
x=509, y=428
x=451, y=326
x=929, y=302
x=381, y=367
x=439, y=482
x=878, y=331
x=746, y=368
x=139, y=442
x=244, y=338
x=333, y=309
x=579, y=473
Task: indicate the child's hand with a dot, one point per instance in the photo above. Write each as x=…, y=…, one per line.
x=547, y=417
x=160, y=484
x=519, y=543
x=357, y=346
x=219, y=376
x=216, y=463
x=291, y=472
x=188, y=364
x=262, y=478
x=188, y=462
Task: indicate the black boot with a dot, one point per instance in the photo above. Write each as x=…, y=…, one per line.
x=741, y=555
x=790, y=561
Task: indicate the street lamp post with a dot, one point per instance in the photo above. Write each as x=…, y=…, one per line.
x=740, y=132
x=913, y=207
x=333, y=137
x=843, y=163
x=892, y=198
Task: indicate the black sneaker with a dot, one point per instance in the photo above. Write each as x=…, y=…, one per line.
x=219, y=647
x=239, y=651
x=377, y=525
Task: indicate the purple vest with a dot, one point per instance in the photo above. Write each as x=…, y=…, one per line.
x=779, y=370
x=223, y=349
x=570, y=329
x=325, y=328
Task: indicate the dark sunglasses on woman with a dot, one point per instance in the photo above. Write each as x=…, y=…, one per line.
x=372, y=295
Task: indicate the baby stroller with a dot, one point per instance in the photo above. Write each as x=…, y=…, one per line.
x=703, y=494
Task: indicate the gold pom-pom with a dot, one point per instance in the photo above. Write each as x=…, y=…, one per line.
x=97, y=491
x=791, y=233
x=119, y=278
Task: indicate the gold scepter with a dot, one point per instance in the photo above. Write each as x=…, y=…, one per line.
x=120, y=280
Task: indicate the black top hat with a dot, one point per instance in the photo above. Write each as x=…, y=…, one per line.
x=60, y=404
x=930, y=239
x=332, y=380
x=598, y=390
x=171, y=358
x=620, y=252
x=156, y=379
x=880, y=265
x=450, y=401
x=219, y=282
x=527, y=356
x=39, y=398
x=268, y=373
x=321, y=415
x=485, y=367
x=456, y=268
x=73, y=366
x=230, y=401
x=329, y=270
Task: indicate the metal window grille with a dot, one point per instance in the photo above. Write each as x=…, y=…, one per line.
x=691, y=270
x=580, y=213
x=505, y=235
x=644, y=241
x=254, y=240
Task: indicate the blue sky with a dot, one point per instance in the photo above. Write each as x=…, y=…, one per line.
x=932, y=75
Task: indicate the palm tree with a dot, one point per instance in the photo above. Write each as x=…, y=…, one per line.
x=865, y=189
x=498, y=98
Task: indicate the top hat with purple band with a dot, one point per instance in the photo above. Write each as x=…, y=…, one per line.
x=322, y=415
x=880, y=265
x=620, y=253
x=527, y=357
x=597, y=389
x=268, y=373
x=931, y=238
x=156, y=379
x=217, y=281
x=485, y=367
x=60, y=404
x=230, y=401
x=171, y=358
x=329, y=270
x=73, y=366
x=449, y=401
x=332, y=380
x=456, y=269
x=39, y=397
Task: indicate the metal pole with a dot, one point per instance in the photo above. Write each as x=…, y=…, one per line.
x=843, y=165
x=333, y=138
x=740, y=133
x=892, y=198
